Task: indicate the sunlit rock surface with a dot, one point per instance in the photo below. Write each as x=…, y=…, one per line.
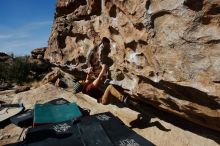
x=166, y=52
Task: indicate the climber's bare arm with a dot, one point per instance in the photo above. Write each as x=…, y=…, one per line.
x=89, y=74
x=97, y=81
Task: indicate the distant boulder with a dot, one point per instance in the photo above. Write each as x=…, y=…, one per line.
x=5, y=58
x=38, y=52
x=22, y=89
x=5, y=86
x=37, y=59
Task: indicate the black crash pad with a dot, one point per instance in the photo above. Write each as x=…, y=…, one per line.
x=97, y=130
x=23, y=119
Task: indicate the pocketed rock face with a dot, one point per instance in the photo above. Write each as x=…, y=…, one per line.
x=166, y=52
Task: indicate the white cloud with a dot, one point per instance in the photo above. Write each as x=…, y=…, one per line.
x=22, y=47
x=23, y=39
x=36, y=25
x=13, y=35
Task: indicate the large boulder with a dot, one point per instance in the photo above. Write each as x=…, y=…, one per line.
x=166, y=52
x=59, y=77
x=52, y=76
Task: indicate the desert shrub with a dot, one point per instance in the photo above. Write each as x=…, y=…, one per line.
x=3, y=74
x=17, y=72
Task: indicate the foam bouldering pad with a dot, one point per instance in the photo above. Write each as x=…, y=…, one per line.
x=117, y=131
x=23, y=119
x=9, y=110
x=55, y=112
x=97, y=130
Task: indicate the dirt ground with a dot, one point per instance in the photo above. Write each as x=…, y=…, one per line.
x=161, y=128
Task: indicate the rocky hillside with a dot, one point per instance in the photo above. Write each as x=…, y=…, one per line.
x=19, y=70
x=166, y=52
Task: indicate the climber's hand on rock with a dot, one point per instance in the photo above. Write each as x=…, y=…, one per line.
x=104, y=66
x=90, y=70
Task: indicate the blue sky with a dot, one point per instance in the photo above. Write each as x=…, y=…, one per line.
x=25, y=25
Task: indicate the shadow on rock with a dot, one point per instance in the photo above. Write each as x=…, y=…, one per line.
x=149, y=111
x=185, y=93
x=13, y=144
x=143, y=121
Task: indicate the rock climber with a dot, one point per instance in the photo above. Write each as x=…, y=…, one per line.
x=90, y=86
